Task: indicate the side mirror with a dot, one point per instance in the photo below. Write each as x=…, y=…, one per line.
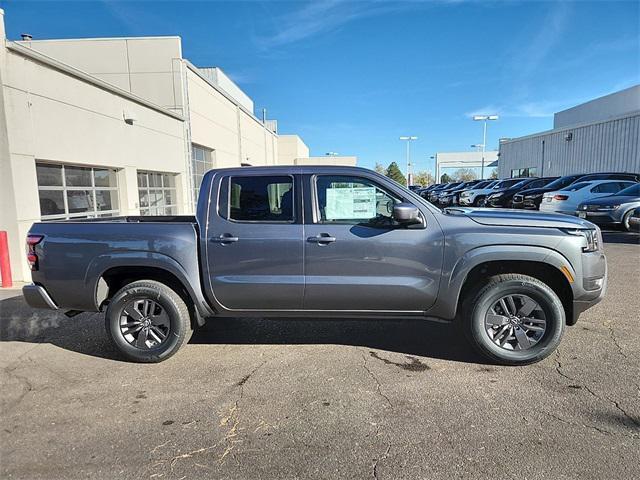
x=406, y=213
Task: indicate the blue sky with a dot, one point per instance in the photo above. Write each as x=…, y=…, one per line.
x=351, y=77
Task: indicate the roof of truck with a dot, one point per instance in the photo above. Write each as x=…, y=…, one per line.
x=294, y=169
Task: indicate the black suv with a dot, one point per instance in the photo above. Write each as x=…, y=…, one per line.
x=531, y=197
x=504, y=198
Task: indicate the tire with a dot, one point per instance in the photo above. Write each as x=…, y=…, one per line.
x=625, y=224
x=154, y=310
x=483, y=308
x=480, y=202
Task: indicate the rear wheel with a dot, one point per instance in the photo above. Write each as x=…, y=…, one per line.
x=514, y=320
x=147, y=321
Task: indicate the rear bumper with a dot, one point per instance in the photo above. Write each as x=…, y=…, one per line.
x=37, y=297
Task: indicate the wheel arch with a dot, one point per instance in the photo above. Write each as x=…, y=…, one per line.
x=478, y=264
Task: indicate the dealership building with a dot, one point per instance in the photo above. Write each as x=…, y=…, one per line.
x=450, y=162
x=602, y=135
x=119, y=126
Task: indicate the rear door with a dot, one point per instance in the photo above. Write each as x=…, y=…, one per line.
x=357, y=258
x=255, y=243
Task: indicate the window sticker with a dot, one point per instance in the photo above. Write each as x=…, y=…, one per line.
x=350, y=203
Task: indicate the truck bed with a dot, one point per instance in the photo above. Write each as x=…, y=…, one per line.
x=74, y=254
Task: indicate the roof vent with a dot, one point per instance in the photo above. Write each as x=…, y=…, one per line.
x=26, y=37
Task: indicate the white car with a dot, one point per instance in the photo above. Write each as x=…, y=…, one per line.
x=567, y=199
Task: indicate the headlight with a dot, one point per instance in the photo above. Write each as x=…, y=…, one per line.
x=592, y=238
x=495, y=195
x=608, y=207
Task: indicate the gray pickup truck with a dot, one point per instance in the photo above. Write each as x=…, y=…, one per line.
x=324, y=241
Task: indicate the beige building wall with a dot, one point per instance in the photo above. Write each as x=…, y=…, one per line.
x=143, y=66
x=345, y=161
x=291, y=147
x=50, y=111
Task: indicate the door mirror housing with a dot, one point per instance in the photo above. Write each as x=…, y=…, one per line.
x=406, y=213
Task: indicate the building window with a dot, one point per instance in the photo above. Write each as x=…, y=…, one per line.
x=157, y=193
x=68, y=191
x=201, y=162
x=524, y=172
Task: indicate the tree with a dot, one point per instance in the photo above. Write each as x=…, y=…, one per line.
x=423, y=178
x=394, y=173
x=464, y=175
x=445, y=178
x=494, y=175
x=380, y=168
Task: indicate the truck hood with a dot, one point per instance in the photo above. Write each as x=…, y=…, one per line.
x=519, y=218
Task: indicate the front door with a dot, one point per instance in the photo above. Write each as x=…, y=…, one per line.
x=255, y=244
x=358, y=259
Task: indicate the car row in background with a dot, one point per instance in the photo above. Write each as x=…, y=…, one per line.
x=603, y=198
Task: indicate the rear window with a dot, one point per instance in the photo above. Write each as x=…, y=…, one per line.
x=261, y=199
x=632, y=191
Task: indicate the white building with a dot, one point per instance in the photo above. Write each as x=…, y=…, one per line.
x=119, y=126
x=449, y=162
x=602, y=135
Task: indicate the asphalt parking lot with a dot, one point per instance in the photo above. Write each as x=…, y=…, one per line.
x=283, y=399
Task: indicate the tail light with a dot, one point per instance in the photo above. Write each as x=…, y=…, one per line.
x=560, y=197
x=32, y=258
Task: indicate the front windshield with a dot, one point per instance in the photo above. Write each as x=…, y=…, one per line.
x=575, y=187
x=632, y=191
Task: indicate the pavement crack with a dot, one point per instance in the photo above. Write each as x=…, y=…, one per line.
x=375, y=379
x=615, y=403
x=584, y=425
x=609, y=326
x=376, y=462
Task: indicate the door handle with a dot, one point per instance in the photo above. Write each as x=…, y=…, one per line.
x=322, y=239
x=224, y=239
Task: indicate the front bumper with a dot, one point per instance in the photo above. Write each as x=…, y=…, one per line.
x=594, y=271
x=604, y=217
x=37, y=297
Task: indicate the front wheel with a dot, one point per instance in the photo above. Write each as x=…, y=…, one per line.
x=626, y=221
x=147, y=321
x=480, y=202
x=514, y=320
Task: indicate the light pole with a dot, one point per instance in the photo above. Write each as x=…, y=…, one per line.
x=408, y=139
x=331, y=154
x=477, y=146
x=484, y=119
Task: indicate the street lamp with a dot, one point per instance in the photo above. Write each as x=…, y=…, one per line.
x=477, y=146
x=484, y=119
x=331, y=154
x=408, y=139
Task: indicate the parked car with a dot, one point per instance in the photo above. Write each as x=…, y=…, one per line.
x=477, y=195
x=310, y=241
x=634, y=219
x=434, y=195
x=504, y=197
x=615, y=209
x=450, y=197
x=414, y=188
x=424, y=192
x=567, y=199
x=531, y=198
x=517, y=200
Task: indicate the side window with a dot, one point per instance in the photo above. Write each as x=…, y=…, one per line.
x=612, y=187
x=261, y=199
x=353, y=201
